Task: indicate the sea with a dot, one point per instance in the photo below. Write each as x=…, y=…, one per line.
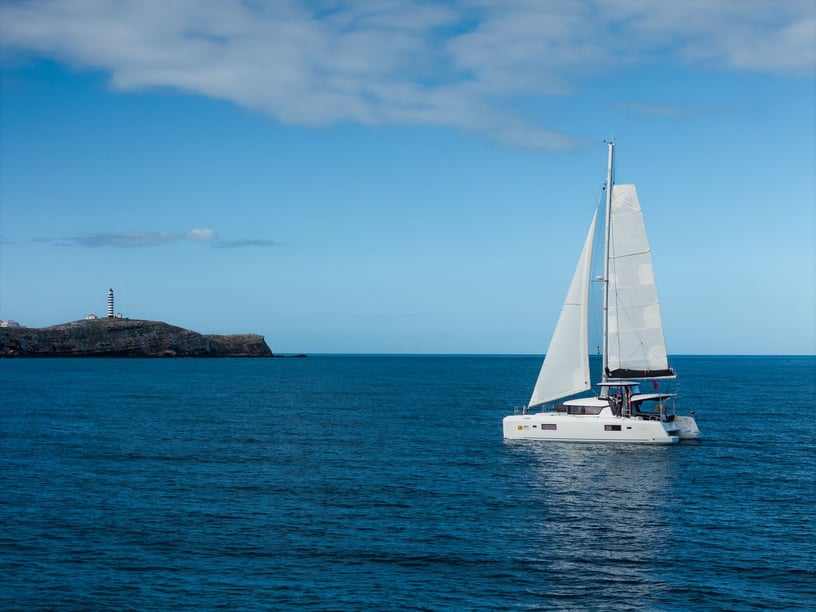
x=382, y=482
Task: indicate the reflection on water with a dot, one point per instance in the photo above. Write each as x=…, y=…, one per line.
x=604, y=516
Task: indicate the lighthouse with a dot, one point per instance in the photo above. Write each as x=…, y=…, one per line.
x=110, y=303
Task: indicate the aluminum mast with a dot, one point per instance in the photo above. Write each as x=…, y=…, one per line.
x=609, y=179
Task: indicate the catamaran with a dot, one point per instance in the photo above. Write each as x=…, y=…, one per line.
x=630, y=406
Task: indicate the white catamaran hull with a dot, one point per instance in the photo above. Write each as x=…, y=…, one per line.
x=558, y=427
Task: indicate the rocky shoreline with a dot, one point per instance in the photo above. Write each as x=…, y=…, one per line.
x=113, y=337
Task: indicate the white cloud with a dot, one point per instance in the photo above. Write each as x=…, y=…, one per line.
x=460, y=65
x=201, y=235
x=766, y=36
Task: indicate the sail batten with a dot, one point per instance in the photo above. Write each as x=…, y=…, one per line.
x=565, y=370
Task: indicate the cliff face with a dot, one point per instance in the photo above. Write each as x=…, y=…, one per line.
x=125, y=338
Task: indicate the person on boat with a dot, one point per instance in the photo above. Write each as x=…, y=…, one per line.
x=617, y=402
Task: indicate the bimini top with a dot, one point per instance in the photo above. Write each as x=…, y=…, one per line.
x=646, y=397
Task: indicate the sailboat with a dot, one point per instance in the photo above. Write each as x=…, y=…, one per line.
x=630, y=405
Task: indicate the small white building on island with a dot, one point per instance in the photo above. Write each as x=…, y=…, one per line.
x=9, y=323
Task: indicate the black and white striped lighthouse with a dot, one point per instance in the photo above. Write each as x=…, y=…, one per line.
x=110, y=303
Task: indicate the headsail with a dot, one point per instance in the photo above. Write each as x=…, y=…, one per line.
x=565, y=370
x=636, y=348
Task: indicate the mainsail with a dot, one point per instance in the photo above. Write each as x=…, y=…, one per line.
x=635, y=344
x=565, y=370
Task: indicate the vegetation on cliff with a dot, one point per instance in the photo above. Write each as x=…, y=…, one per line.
x=125, y=338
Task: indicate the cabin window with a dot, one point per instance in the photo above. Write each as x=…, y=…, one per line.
x=584, y=409
x=551, y=426
x=612, y=427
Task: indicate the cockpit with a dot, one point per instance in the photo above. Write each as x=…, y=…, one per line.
x=626, y=399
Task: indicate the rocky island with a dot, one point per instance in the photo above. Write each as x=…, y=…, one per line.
x=116, y=337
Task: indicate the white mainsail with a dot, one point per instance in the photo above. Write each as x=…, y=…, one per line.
x=565, y=370
x=635, y=343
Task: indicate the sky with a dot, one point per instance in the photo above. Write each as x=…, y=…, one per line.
x=402, y=176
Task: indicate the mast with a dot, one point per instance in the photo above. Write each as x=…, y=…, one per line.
x=607, y=234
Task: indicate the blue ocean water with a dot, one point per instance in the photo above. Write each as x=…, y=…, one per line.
x=383, y=482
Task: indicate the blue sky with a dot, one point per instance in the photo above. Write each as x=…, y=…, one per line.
x=405, y=176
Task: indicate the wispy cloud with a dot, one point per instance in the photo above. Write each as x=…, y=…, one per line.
x=122, y=239
x=151, y=239
x=236, y=244
x=201, y=235
x=462, y=64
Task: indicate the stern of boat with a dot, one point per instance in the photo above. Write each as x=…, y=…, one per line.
x=688, y=429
